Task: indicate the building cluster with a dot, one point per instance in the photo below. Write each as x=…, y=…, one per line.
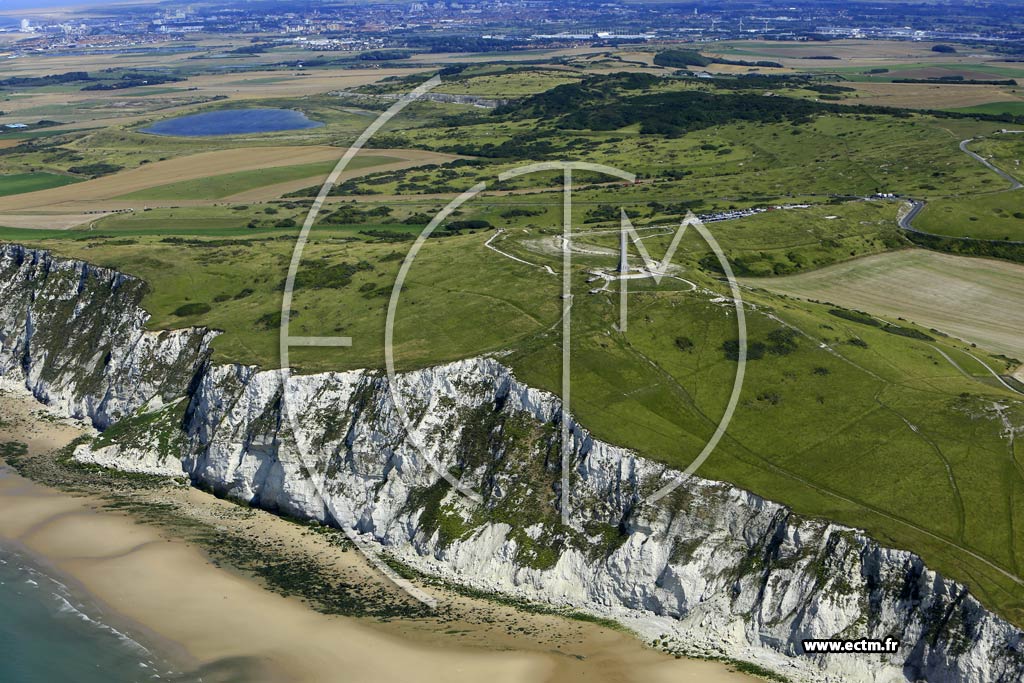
x=327, y=25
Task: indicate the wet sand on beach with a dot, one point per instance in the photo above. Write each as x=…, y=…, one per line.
x=215, y=619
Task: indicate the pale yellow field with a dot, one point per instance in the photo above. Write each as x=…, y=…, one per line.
x=526, y=55
x=977, y=300
x=926, y=96
x=734, y=69
x=95, y=109
x=645, y=57
x=292, y=83
x=49, y=221
x=91, y=62
x=866, y=53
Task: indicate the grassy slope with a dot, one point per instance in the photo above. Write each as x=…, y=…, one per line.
x=828, y=430
x=997, y=216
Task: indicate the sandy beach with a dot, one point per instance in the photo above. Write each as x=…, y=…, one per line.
x=227, y=626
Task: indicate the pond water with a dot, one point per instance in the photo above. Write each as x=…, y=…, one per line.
x=233, y=122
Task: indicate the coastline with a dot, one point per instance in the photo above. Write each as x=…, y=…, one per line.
x=59, y=631
x=223, y=624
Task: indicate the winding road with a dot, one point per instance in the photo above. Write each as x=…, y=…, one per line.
x=1014, y=183
x=906, y=221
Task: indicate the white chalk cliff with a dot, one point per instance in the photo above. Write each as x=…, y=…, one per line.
x=713, y=567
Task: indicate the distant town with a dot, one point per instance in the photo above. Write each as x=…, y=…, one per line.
x=494, y=26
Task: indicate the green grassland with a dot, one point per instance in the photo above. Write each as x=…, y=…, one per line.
x=997, y=216
x=786, y=241
x=1005, y=151
x=1014, y=107
x=866, y=423
x=994, y=215
x=834, y=154
x=280, y=218
x=31, y=182
x=31, y=135
x=503, y=84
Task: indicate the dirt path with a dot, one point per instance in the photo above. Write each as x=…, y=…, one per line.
x=493, y=248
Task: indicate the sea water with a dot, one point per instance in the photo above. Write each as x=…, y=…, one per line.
x=47, y=634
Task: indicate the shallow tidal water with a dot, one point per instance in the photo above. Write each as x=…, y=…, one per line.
x=47, y=634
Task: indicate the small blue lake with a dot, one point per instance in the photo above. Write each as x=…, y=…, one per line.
x=233, y=122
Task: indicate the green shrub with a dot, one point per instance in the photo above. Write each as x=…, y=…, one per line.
x=192, y=309
x=855, y=316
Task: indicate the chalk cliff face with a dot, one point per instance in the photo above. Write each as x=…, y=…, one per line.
x=77, y=334
x=710, y=568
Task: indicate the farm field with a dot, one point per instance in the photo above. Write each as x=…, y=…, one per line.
x=1015, y=107
x=983, y=99
x=50, y=221
x=976, y=300
x=225, y=185
x=855, y=53
x=238, y=170
x=32, y=182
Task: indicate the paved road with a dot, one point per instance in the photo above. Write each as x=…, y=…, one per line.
x=906, y=222
x=907, y=219
x=1014, y=183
